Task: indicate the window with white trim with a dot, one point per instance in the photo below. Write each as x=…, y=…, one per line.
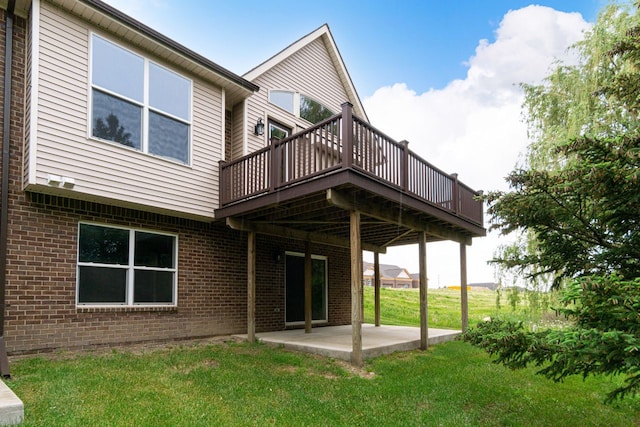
x=300, y=105
x=138, y=103
x=121, y=266
x=277, y=130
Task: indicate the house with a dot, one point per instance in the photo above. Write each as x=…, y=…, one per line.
x=149, y=194
x=391, y=276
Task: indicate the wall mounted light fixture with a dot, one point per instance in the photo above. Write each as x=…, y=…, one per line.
x=259, y=129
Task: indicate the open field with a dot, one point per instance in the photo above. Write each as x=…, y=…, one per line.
x=401, y=307
x=222, y=382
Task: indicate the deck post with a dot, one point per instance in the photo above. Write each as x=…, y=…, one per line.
x=376, y=286
x=307, y=287
x=424, y=310
x=356, y=290
x=273, y=162
x=224, y=190
x=455, y=203
x=404, y=165
x=347, y=135
x=251, y=287
x=463, y=287
x=361, y=285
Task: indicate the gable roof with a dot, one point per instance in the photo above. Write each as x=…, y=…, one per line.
x=323, y=33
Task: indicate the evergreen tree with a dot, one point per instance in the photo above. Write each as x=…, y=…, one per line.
x=577, y=202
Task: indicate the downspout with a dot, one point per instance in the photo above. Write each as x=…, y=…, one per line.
x=4, y=210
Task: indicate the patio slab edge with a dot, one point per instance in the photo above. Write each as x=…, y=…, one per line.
x=339, y=346
x=11, y=407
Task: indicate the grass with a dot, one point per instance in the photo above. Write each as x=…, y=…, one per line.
x=401, y=307
x=230, y=383
x=240, y=384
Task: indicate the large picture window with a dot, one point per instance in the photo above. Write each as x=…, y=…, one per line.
x=138, y=103
x=125, y=267
x=300, y=105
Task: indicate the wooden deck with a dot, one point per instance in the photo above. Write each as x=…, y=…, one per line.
x=310, y=181
x=344, y=183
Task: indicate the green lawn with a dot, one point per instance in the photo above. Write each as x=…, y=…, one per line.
x=401, y=307
x=230, y=383
x=452, y=384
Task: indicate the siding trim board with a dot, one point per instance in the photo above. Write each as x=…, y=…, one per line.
x=223, y=96
x=33, y=101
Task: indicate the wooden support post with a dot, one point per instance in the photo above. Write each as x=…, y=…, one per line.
x=361, y=284
x=463, y=287
x=307, y=288
x=251, y=287
x=356, y=290
x=424, y=310
x=376, y=284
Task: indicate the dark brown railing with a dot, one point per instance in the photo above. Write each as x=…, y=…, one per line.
x=320, y=150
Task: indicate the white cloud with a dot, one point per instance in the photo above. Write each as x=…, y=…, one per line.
x=474, y=125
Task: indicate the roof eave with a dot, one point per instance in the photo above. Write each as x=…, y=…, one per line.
x=156, y=36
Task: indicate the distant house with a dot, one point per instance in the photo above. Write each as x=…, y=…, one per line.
x=391, y=276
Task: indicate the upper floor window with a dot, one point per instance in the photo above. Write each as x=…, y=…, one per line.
x=300, y=105
x=138, y=103
x=312, y=111
x=283, y=99
x=125, y=267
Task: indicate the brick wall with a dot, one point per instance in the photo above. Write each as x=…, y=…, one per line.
x=41, y=313
x=270, y=280
x=41, y=282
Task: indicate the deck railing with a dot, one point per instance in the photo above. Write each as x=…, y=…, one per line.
x=321, y=149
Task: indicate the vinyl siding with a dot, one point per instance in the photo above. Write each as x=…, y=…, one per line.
x=110, y=172
x=308, y=71
x=237, y=144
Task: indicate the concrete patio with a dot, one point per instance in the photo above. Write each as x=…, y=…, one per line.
x=335, y=341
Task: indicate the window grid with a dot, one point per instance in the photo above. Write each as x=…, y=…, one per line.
x=144, y=105
x=131, y=269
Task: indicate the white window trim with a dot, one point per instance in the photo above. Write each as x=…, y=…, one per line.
x=326, y=289
x=130, y=267
x=280, y=124
x=144, y=143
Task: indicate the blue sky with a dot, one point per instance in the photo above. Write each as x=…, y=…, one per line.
x=423, y=43
x=442, y=74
